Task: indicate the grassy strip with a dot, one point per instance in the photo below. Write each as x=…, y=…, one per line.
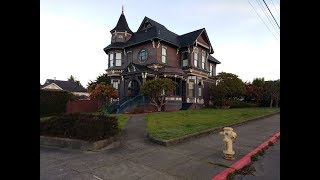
x=170, y=125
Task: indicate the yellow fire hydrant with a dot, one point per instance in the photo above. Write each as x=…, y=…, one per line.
x=229, y=136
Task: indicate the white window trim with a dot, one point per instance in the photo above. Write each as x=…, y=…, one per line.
x=111, y=59
x=195, y=54
x=166, y=54
x=117, y=60
x=203, y=59
x=184, y=60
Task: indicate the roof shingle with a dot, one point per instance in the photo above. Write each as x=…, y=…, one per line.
x=211, y=58
x=122, y=25
x=66, y=85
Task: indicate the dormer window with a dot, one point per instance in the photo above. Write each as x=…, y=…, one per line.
x=147, y=24
x=120, y=36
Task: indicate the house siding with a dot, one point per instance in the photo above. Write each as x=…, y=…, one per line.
x=135, y=53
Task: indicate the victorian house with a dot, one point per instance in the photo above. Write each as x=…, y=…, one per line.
x=153, y=51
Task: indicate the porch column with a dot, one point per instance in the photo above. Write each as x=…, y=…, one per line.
x=122, y=90
x=180, y=89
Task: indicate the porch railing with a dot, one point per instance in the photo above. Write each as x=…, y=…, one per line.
x=123, y=104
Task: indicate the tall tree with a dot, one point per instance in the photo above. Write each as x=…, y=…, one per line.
x=253, y=93
x=73, y=79
x=272, y=91
x=258, y=82
x=158, y=90
x=228, y=87
x=101, y=78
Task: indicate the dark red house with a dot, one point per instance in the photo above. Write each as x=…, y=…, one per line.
x=154, y=51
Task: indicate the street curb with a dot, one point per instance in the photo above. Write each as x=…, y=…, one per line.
x=245, y=160
x=202, y=133
x=108, y=143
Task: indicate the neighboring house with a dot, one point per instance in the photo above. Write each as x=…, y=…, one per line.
x=65, y=85
x=154, y=51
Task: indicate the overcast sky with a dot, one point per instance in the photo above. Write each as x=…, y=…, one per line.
x=73, y=33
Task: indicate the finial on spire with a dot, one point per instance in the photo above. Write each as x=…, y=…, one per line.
x=122, y=9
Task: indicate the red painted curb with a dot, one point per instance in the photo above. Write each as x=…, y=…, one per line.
x=245, y=160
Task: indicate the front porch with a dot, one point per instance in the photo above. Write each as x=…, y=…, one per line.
x=189, y=93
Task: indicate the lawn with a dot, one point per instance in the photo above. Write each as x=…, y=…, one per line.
x=170, y=125
x=122, y=119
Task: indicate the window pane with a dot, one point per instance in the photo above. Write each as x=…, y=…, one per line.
x=203, y=59
x=185, y=55
x=199, y=91
x=115, y=84
x=191, y=89
x=118, y=55
x=111, y=56
x=111, y=63
x=164, y=59
x=164, y=51
x=185, y=62
x=118, y=62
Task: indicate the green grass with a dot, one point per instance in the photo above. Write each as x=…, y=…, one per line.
x=170, y=125
x=122, y=119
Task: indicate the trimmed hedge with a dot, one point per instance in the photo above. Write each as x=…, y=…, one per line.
x=241, y=104
x=80, y=126
x=53, y=102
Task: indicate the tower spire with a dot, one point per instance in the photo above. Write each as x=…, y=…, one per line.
x=122, y=9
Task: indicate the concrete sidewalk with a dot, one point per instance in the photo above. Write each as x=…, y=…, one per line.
x=137, y=158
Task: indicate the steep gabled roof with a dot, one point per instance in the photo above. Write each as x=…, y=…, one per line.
x=214, y=60
x=190, y=38
x=122, y=25
x=66, y=85
x=155, y=30
x=150, y=29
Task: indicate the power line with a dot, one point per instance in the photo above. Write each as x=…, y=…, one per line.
x=275, y=8
x=267, y=15
x=271, y=13
x=262, y=20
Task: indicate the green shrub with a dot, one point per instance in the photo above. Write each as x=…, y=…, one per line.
x=80, y=126
x=53, y=102
x=241, y=104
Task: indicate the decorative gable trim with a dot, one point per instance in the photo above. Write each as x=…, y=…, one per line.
x=52, y=86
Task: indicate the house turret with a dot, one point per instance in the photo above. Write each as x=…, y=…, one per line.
x=122, y=32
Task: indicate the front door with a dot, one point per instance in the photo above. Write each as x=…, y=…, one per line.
x=134, y=88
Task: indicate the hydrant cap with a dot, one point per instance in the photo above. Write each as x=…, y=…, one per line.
x=227, y=129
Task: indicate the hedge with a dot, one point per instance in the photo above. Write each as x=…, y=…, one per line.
x=53, y=102
x=80, y=126
x=241, y=104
